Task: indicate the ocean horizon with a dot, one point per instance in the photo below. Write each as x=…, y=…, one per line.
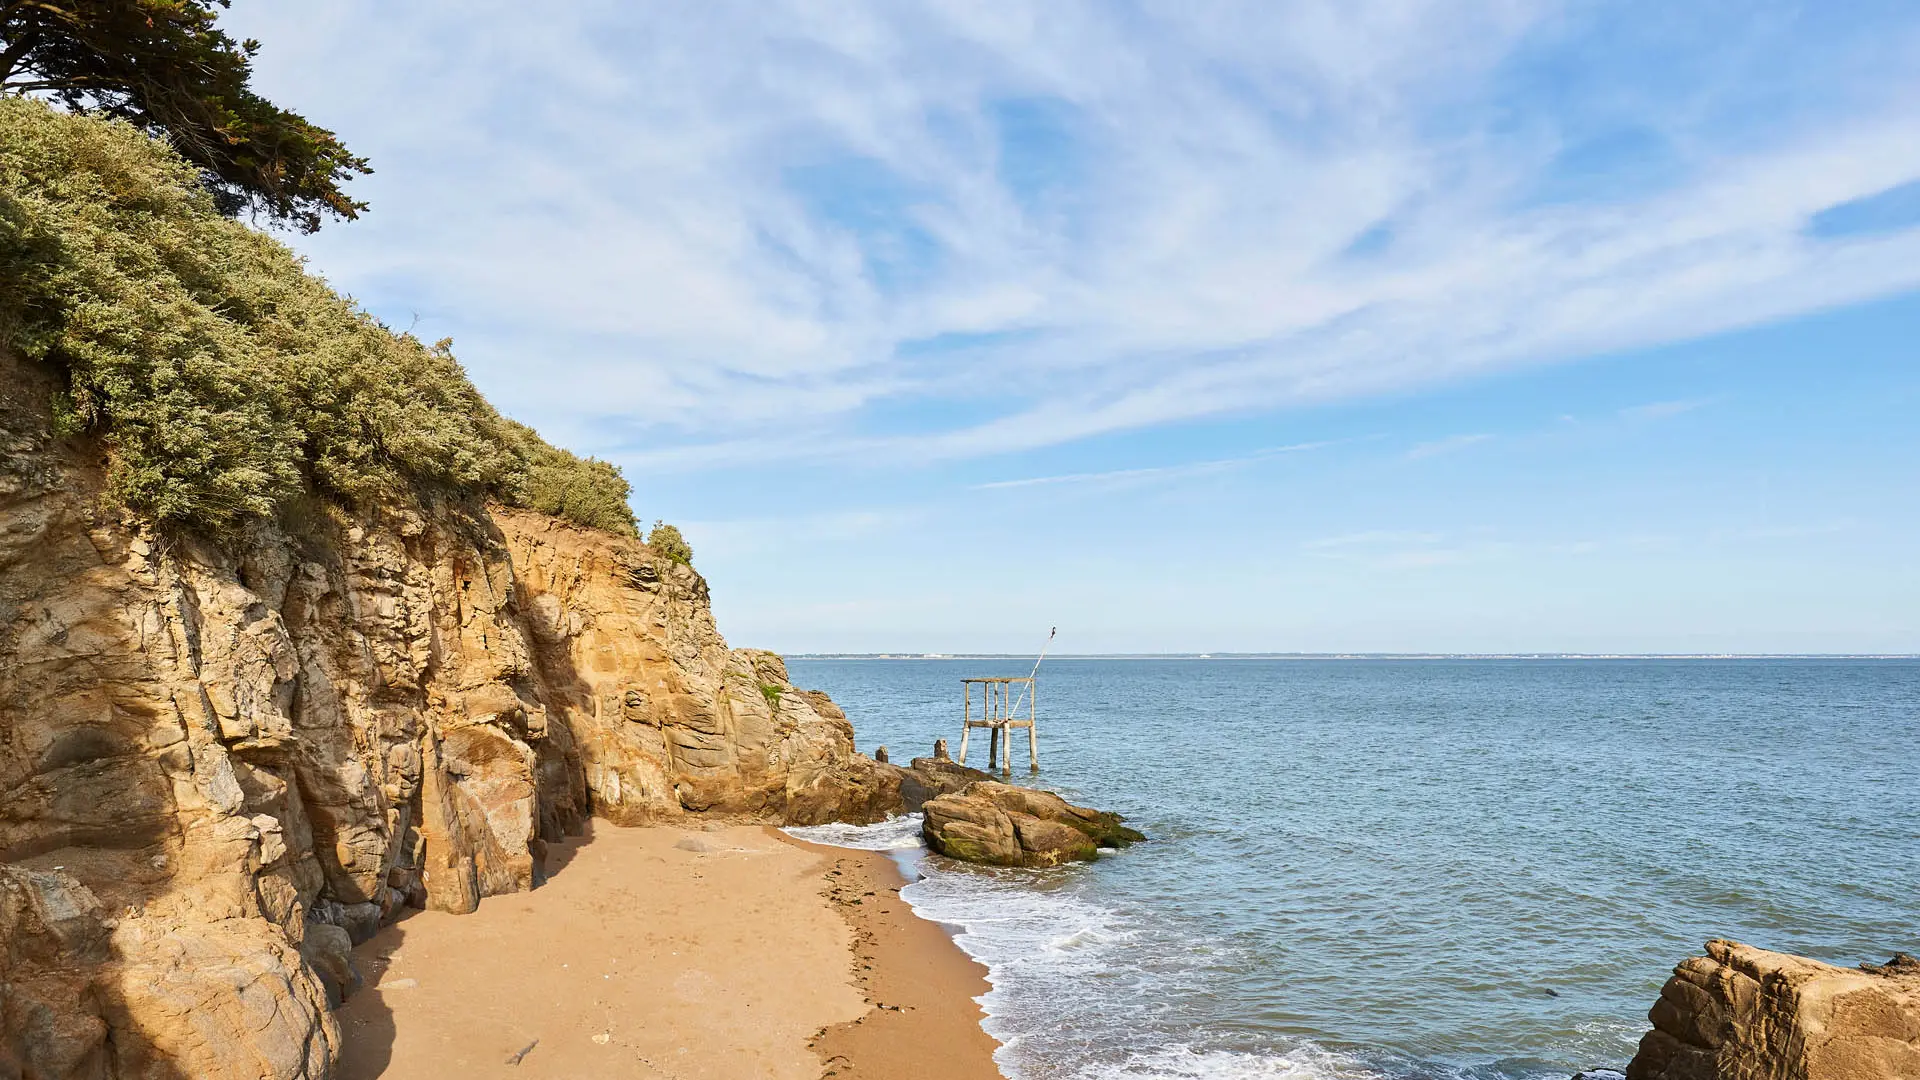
x=1359, y=656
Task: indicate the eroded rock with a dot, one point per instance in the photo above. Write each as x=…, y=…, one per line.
x=1741, y=1013
x=928, y=778
x=1003, y=825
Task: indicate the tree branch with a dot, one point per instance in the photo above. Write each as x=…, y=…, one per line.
x=10, y=59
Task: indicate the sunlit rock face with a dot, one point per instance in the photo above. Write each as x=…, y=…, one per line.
x=220, y=764
x=1741, y=1013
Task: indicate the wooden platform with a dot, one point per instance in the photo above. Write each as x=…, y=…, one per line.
x=999, y=714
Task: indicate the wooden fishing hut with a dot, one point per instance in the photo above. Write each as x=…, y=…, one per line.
x=1000, y=713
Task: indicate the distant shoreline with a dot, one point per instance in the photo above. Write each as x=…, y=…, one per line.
x=1357, y=656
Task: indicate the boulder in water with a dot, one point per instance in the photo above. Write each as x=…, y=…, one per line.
x=1003, y=825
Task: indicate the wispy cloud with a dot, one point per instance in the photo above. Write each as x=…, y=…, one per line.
x=1157, y=472
x=1792, y=532
x=1372, y=538
x=673, y=229
x=735, y=537
x=1445, y=446
x=1394, y=549
x=1660, y=410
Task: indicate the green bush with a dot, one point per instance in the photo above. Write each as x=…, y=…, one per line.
x=666, y=540
x=588, y=491
x=224, y=379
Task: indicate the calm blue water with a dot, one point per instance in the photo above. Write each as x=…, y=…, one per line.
x=1477, y=869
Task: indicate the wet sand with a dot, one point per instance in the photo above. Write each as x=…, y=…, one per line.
x=924, y=1023
x=672, y=953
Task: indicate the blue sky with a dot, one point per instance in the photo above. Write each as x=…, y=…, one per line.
x=1383, y=326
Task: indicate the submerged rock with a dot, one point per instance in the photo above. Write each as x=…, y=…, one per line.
x=1741, y=1013
x=1003, y=825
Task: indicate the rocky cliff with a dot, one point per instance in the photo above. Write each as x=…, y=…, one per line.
x=221, y=765
x=1741, y=1013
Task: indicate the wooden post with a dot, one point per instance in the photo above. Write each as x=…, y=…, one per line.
x=1006, y=733
x=1033, y=726
x=966, y=723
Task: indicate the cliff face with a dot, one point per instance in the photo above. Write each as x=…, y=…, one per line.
x=1741, y=1013
x=221, y=766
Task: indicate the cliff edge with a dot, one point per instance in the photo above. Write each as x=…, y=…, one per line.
x=222, y=765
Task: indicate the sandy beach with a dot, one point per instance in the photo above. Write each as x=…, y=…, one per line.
x=664, y=952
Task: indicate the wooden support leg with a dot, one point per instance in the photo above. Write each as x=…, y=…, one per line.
x=966, y=718
x=1033, y=727
x=993, y=748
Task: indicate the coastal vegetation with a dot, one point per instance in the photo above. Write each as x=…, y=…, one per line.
x=666, y=540
x=226, y=382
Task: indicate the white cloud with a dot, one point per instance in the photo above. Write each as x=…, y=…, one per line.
x=1660, y=410
x=597, y=203
x=1447, y=445
x=1158, y=472
x=1373, y=538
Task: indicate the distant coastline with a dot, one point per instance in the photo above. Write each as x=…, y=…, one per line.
x=1353, y=656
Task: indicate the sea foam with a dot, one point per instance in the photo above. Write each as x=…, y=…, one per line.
x=894, y=834
x=1043, y=944
x=1307, y=1062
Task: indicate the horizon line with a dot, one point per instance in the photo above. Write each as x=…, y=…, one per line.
x=1354, y=655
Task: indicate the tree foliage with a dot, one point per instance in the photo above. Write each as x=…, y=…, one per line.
x=226, y=381
x=666, y=540
x=164, y=67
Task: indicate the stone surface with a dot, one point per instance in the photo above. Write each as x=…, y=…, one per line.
x=927, y=778
x=216, y=761
x=1003, y=825
x=1741, y=1013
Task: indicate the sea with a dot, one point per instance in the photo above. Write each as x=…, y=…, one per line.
x=1473, y=869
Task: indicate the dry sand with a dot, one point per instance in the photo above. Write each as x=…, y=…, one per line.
x=661, y=952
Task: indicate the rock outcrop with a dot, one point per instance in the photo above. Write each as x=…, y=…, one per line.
x=931, y=777
x=220, y=766
x=1741, y=1013
x=1003, y=825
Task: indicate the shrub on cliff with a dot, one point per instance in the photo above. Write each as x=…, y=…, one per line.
x=584, y=490
x=666, y=540
x=224, y=379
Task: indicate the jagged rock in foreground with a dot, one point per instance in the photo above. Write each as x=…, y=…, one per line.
x=220, y=766
x=1003, y=825
x=1741, y=1013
